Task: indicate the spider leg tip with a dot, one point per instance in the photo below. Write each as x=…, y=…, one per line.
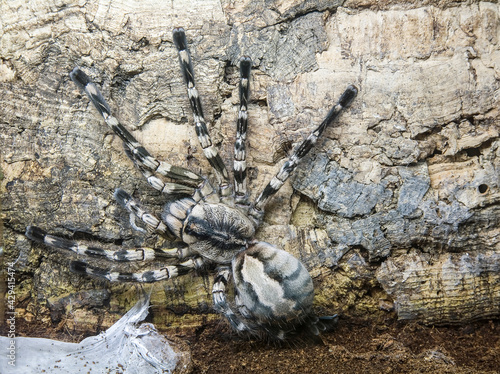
x=121, y=196
x=353, y=89
x=79, y=77
x=179, y=38
x=246, y=60
x=78, y=267
x=245, y=66
x=348, y=96
x=76, y=70
x=35, y=233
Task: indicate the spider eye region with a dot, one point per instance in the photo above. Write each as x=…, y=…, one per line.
x=209, y=227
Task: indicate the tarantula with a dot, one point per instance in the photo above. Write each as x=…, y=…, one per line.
x=273, y=290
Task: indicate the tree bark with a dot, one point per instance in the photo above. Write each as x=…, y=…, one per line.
x=396, y=210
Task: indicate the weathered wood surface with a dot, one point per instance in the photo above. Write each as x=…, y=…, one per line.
x=396, y=210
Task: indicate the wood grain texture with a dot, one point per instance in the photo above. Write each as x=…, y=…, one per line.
x=400, y=199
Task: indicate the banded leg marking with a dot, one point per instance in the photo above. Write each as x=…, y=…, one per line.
x=164, y=273
x=240, y=165
x=123, y=255
x=137, y=211
x=222, y=306
x=209, y=149
x=137, y=152
x=205, y=190
x=290, y=165
x=167, y=188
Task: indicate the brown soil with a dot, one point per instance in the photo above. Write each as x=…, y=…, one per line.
x=351, y=348
x=357, y=348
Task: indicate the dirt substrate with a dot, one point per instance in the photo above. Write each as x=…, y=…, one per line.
x=357, y=348
x=351, y=348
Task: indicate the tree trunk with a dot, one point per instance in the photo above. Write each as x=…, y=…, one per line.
x=396, y=210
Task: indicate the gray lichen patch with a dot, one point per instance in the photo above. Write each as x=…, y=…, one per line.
x=282, y=50
x=408, y=212
x=415, y=183
x=335, y=190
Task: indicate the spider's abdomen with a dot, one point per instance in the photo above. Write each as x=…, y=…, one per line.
x=272, y=285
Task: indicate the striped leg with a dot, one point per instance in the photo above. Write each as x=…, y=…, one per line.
x=289, y=166
x=209, y=149
x=137, y=152
x=240, y=165
x=204, y=191
x=137, y=211
x=222, y=306
x=149, y=276
x=124, y=255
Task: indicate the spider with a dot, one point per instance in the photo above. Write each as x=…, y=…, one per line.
x=214, y=226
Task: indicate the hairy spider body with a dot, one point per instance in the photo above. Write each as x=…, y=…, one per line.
x=273, y=289
x=214, y=231
x=267, y=280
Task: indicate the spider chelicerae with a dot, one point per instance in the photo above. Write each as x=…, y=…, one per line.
x=215, y=226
